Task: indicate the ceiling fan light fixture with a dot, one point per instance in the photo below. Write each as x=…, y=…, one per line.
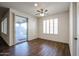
x=41, y=14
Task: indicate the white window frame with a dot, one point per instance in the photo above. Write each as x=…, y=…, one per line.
x=54, y=26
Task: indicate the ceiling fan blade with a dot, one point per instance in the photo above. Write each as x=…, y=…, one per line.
x=46, y=10
x=38, y=11
x=41, y=10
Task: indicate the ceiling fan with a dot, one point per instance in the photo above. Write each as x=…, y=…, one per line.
x=41, y=12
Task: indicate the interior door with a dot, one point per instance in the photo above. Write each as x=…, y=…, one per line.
x=74, y=28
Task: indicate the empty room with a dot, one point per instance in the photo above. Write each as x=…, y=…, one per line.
x=38, y=29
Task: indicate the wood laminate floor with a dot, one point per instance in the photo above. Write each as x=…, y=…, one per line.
x=37, y=47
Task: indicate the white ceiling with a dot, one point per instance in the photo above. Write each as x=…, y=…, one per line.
x=28, y=7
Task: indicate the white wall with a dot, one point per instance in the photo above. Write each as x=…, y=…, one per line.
x=6, y=36
x=32, y=25
x=63, y=26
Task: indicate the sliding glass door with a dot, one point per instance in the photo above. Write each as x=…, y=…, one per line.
x=21, y=29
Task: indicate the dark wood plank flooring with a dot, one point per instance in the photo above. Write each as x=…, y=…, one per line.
x=37, y=47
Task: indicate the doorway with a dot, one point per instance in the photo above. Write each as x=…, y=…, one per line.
x=21, y=29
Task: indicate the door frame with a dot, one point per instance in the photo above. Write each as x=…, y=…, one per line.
x=14, y=31
x=77, y=29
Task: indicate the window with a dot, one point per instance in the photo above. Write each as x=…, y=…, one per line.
x=47, y=26
x=55, y=26
x=4, y=26
x=50, y=26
